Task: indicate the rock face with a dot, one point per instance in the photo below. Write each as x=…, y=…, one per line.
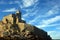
x=12, y=27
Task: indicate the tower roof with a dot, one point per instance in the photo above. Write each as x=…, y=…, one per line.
x=17, y=11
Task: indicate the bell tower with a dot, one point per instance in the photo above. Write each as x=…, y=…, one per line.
x=18, y=16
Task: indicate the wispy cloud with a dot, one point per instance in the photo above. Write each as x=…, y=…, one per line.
x=32, y=21
x=54, y=34
x=10, y=2
x=53, y=11
x=58, y=27
x=54, y=25
x=51, y=20
x=28, y=13
x=44, y=23
x=32, y=11
x=49, y=32
x=27, y=3
x=10, y=10
x=14, y=2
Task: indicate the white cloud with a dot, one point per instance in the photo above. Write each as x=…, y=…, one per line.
x=14, y=2
x=49, y=32
x=10, y=10
x=27, y=3
x=34, y=13
x=45, y=23
x=26, y=15
x=51, y=20
x=55, y=9
x=54, y=34
x=10, y=2
x=30, y=13
x=30, y=22
x=58, y=27
x=17, y=2
x=23, y=19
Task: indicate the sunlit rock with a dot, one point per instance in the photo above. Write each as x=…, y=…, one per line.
x=12, y=27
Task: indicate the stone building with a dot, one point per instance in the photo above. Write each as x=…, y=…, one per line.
x=12, y=27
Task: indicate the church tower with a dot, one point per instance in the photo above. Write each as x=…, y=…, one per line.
x=18, y=16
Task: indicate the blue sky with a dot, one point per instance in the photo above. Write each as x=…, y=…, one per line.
x=44, y=14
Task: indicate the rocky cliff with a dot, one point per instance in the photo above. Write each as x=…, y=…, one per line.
x=12, y=27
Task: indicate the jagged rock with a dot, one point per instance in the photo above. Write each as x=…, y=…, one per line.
x=12, y=27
